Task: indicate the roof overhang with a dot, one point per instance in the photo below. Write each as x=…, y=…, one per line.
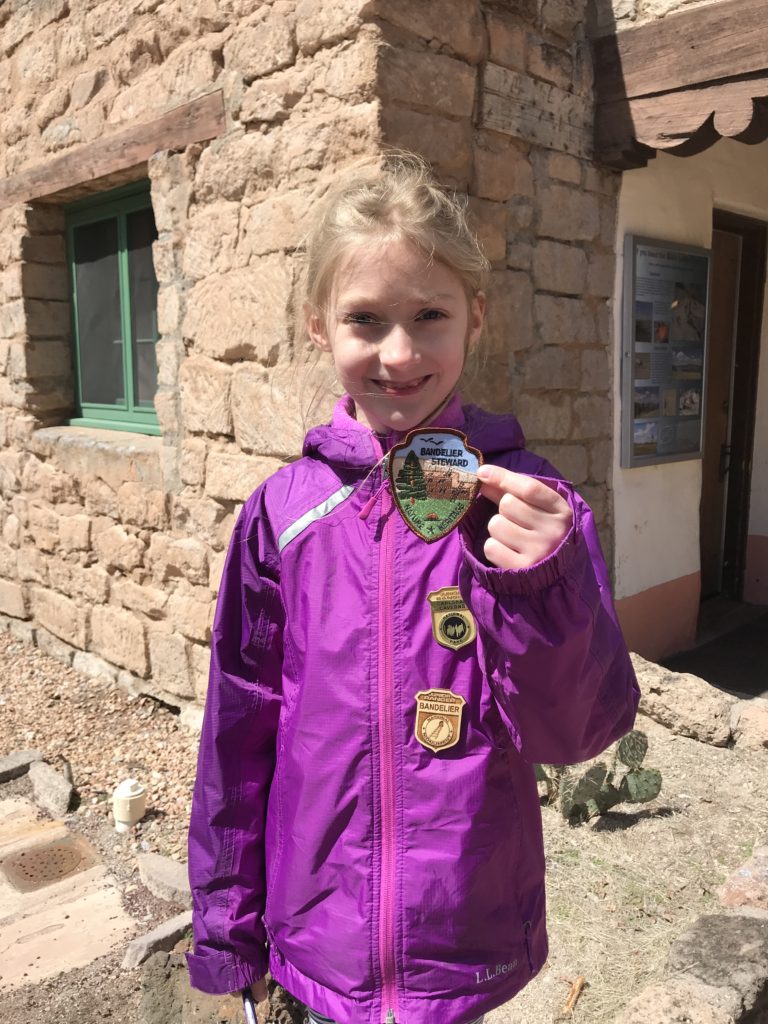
x=682, y=82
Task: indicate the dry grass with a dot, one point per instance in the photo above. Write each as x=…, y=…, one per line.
x=623, y=887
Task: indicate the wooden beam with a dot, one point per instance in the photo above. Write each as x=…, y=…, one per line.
x=719, y=41
x=684, y=122
x=537, y=112
x=196, y=121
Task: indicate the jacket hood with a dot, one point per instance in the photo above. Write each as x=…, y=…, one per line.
x=347, y=442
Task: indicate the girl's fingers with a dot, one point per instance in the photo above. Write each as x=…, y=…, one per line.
x=496, y=482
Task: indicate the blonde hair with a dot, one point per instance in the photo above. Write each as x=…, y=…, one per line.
x=397, y=199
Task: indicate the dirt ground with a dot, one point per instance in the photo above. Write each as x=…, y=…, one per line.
x=620, y=888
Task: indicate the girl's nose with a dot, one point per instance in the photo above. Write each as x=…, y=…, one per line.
x=397, y=348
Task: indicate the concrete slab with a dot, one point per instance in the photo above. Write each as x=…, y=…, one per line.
x=60, y=926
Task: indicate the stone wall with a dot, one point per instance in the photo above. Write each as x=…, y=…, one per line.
x=621, y=14
x=113, y=544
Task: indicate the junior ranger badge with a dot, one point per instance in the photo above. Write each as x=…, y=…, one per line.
x=438, y=719
x=452, y=623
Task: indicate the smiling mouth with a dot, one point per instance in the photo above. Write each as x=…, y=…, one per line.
x=401, y=388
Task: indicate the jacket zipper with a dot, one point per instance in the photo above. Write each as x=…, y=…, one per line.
x=387, y=766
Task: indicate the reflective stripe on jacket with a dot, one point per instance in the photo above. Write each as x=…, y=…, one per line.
x=326, y=843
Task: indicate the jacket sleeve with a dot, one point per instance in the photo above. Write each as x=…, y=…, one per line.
x=550, y=642
x=236, y=763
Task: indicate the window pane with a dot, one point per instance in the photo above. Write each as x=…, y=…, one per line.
x=143, y=286
x=98, y=313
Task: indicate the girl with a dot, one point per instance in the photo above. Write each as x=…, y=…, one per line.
x=366, y=822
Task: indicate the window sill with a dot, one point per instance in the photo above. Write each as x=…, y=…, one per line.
x=116, y=456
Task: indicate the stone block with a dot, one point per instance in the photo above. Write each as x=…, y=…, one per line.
x=564, y=321
x=601, y=275
x=140, y=598
x=600, y=456
x=568, y=213
x=563, y=167
x=452, y=24
x=12, y=321
x=193, y=452
x=13, y=599
x=446, y=144
x=108, y=455
x=321, y=24
x=595, y=370
x=93, y=666
x=508, y=42
x=165, y=878
x=748, y=887
x=51, y=790
x=100, y=499
x=35, y=360
x=29, y=19
x=509, y=320
x=570, y=460
x=559, y=268
x=171, y=559
x=12, y=532
x=17, y=763
x=489, y=222
x=170, y=664
x=563, y=17
x=256, y=50
x=592, y=416
x=550, y=63
x=60, y=615
x=45, y=281
x=198, y=517
x=552, y=368
x=117, y=549
x=243, y=314
x=42, y=480
x=272, y=99
x=192, y=614
x=276, y=223
x=53, y=647
x=31, y=565
x=205, y=395
x=502, y=171
x=520, y=256
x=86, y=85
x=200, y=666
x=92, y=584
x=118, y=636
x=141, y=506
x=286, y=399
x=210, y=239
x=544, y=417
x=232, y=476
x=46, y=319
x=75, y=533
x=683, y=703
x=43, y=249
x=160, y=939
x=431, y=80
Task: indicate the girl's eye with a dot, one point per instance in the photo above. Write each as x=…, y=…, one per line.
x=359, y=318
x=431, y=314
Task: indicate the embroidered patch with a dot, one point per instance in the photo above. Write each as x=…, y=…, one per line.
x=438, y=719
x=433, y=474
x=452, y=623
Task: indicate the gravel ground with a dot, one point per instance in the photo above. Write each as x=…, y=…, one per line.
x=620, y=889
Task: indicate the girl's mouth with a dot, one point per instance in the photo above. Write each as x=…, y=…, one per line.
x=401, y=388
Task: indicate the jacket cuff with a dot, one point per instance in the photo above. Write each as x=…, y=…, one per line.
x=224, y=972
x=536, y=577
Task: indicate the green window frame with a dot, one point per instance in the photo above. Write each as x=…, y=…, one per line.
x=113, y=292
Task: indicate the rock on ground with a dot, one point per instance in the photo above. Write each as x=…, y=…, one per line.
x=683, y=703
x=671, y=1003
x=165, y=878
x=723, y=960
x=748, y=887
x=749, y=722
x=17, y=763
x=52, y=791
x=160, y=939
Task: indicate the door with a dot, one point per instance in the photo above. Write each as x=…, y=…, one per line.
x=736, y=299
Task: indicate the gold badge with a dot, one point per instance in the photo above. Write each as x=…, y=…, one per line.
x=438, y=719
x=452, y=622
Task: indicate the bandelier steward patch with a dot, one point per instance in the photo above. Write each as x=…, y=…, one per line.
x=452, y=623
x=433, y=478
x=438, y=719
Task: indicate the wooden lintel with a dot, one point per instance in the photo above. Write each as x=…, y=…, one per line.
x=723, y=40
x=683, y=122
x=197, y=121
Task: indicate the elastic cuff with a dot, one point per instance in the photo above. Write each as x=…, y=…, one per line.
x=220, y=973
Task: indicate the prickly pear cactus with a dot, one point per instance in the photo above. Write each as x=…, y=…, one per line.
x=632, y=749
x=583, y=794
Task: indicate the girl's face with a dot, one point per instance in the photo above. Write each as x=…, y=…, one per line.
x=399, y=328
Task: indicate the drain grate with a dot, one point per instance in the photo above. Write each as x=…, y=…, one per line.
x=43, y=865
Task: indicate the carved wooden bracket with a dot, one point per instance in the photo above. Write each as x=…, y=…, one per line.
x=681, y=83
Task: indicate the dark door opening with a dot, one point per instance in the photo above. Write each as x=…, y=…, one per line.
x=735, y=315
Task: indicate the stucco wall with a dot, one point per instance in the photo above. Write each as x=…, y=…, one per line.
x=657, y=507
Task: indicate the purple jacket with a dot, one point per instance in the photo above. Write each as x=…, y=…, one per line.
x=326, y=842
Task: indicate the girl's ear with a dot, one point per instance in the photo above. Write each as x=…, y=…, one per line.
x=316, y=328
x=476, y=319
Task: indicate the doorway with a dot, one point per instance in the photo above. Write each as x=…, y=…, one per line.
x=735, y=315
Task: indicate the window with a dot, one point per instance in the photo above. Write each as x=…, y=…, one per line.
x=114, y=309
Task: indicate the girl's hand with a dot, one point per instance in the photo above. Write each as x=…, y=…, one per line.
x=531, y=522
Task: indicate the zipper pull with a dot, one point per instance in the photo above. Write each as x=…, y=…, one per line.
x=365, y=511
x=390, y=1017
